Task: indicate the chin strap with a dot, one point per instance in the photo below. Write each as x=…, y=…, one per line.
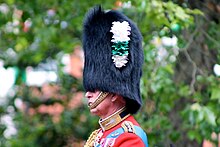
x=98, y=100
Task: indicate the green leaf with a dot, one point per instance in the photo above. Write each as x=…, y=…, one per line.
x=169, y=68
x=184, y=91
x=210, y=116
x=22, y=44
x=197, y=11
x=10, y=2
x=192, y=134
x=215, y=93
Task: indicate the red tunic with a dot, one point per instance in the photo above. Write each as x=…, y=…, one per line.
x=125, y=139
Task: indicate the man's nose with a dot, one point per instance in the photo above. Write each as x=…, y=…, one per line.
x=88, y=95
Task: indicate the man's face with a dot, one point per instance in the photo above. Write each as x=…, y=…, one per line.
x=103, y=108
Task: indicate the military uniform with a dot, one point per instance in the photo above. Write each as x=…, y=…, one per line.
x=118, y=130
x=112, y=45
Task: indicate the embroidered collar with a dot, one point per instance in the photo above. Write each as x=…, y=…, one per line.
x=113, y=119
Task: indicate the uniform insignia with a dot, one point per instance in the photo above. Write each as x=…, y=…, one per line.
x=107, y=142
x=115, y=134
x=128, y=127
x=112, y=121
x=111, y=141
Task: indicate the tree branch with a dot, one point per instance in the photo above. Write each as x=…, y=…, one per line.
x=211, y=38
x=192, y=89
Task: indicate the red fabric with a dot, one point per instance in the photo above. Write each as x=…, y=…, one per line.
x=129, y=140
x=125, y=139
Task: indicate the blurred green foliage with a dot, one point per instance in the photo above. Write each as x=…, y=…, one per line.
x=179, y=112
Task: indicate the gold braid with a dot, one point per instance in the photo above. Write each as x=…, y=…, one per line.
x=99, y=99
x=91, y=139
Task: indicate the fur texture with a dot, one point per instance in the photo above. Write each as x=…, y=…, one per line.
x=100, y=72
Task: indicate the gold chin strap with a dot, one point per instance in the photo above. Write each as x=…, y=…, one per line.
x=99, y=99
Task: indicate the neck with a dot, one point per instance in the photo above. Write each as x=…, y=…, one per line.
x=111, y=111
x=114, y=119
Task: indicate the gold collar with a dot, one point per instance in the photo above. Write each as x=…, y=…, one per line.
x=114, y=119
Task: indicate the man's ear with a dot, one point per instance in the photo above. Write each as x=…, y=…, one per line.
x=114, y=97
x=117, y=97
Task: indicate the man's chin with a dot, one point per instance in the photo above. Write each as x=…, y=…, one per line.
x=93, y=111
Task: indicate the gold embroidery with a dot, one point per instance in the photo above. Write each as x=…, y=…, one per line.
x=128, y=127
x=91, y=139
x=98, y=100
x=112, y=120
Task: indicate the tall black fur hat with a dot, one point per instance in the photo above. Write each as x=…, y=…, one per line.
x=100, y=71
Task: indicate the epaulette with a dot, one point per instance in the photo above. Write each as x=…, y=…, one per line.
x=128, y=127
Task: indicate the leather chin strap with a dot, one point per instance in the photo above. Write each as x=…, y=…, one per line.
x=98, y=100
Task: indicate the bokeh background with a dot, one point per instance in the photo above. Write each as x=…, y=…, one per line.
x=41, y=61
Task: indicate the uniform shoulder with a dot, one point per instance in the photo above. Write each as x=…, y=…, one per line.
x=128, y=127
x=135, y=132
x=129, y=139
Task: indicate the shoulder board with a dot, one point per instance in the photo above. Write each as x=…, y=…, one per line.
x=131, y=128
x=128, y=127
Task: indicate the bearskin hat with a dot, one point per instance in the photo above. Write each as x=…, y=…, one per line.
x=113, y=54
